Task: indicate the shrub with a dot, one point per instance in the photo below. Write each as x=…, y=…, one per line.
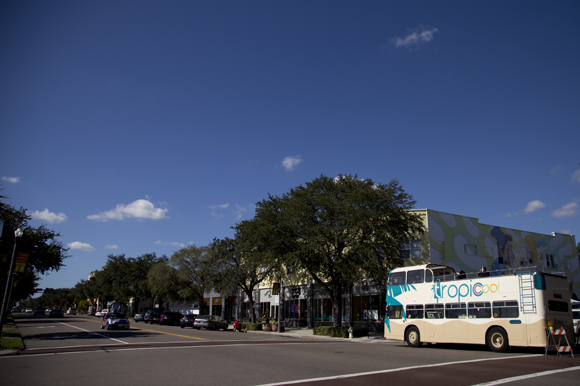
x=339, y=332
x=251, y=326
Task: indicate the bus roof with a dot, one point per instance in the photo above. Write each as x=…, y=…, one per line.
x=423, y=266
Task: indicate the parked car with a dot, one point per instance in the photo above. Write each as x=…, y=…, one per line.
x=29, y=310
x=104, y=312
x=139, y=317
x=37, y=310
x=211, y=322
x=187, y=320
x=48, y=311
x=56, y=313
x=170, y=317
x=155, y=315
x=98, y=314
x=115, y=320
x=91, y=313
x=71, y=311
x=146, y=316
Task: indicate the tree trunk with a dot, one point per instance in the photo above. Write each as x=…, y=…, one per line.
x=336, y=305
x=250, y=295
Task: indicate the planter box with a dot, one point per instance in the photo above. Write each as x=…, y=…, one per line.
x=266, y=327
x=274, y=327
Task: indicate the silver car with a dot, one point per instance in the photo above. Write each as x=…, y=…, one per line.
x=211, y=322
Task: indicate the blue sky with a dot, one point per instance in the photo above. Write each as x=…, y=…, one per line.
x=144, y=126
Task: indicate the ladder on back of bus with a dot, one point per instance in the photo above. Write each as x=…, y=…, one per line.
x=527, y=299
x=558, y=346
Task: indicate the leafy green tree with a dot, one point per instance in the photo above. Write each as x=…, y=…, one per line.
x=339, y=230
x=45, y=252
x=245, y=261
x=195, y=267
x=164, y=282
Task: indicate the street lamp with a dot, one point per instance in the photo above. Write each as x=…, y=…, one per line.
x=6, y=301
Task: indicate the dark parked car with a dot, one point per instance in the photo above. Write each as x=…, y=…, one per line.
x=170, y=317
x=39, y=311
x=56, y=313
x=115, y=320
x=211, y=322
x=187, y=320
x=155, y=315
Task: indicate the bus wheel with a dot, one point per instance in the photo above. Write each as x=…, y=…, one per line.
x=413, y=338
x=497, y=340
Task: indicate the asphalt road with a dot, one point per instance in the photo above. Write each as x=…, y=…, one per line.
x=74, y=350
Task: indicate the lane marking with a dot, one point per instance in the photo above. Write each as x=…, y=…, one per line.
x=345, y=376
x=94, y=333
x=524, y=377
x=115, y=349
x=158, y=332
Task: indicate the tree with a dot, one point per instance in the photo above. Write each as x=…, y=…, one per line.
x=339, y=230
x=245, y=261
x=45, y=252
x=164, y=282
x=195, y=268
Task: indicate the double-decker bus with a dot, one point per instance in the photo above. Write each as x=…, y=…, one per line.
x=435, y=304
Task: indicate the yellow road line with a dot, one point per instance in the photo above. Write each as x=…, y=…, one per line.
x=158, y=332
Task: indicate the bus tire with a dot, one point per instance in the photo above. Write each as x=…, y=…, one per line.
x=412, y=337
x=497, y=340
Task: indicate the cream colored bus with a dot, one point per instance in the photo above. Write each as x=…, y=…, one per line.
x=434, y=304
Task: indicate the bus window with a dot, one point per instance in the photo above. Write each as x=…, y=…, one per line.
x=395, y=312
x=416, y=276
x=397, y=278
x=415, y=311
x=428, y=276
x=479, y=310
x=557, y=306
x=455, y=311
x=434, y=311
x=508, y=309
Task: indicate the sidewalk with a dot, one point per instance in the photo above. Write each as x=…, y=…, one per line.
x=308, y=334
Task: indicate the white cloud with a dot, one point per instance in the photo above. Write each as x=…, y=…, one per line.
x=576, y=176
x=12, y=180
x=533, y=206
x=566, y=231
x=112, y=246
x=222, y=206
x=81, y=246
x=141, y=209
x=556, y=169
x=420, y=35
x=568, y=210
x=290, y=162
x=45, y=215
x=172, y=243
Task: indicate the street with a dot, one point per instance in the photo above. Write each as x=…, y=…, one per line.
x=74, y=350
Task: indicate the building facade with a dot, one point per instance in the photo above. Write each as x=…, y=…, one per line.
x=460, y=242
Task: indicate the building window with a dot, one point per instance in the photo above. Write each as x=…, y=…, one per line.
x=470, y=249
x=410, y=250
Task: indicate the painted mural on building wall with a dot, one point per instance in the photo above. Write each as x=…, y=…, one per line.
x=465, y=244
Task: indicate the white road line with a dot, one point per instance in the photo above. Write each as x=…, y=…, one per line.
x=95, y=333
x=528, y=376
x=344, y=376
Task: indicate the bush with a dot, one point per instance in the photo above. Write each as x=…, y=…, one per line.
x=251, y=326
x=339, y=332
